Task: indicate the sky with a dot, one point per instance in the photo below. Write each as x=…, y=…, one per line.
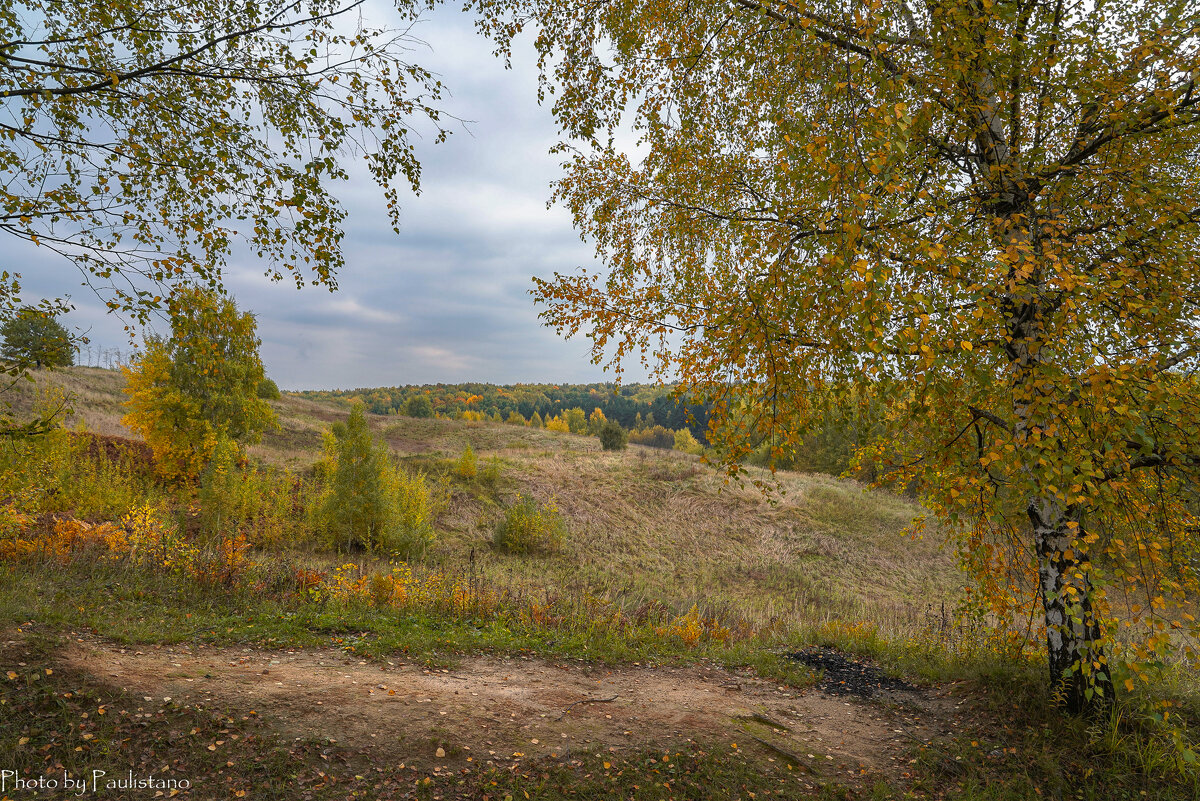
x=446, y=300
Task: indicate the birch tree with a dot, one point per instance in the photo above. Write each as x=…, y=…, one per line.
x=984, y=211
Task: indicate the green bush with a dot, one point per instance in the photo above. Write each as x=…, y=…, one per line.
x=252, y=500
x=418, y=406
x=529, y=527
x=576, y=421
x=222, y=489
x=268, y=390
x=613, y=437
x=490, y=473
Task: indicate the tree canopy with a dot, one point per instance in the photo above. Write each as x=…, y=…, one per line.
x=982, y=211
x=35, y=337
x=141, y=139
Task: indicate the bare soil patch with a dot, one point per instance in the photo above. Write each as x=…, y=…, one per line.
x=504, y=710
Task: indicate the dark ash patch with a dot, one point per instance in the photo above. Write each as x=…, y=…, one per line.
x=845, y=675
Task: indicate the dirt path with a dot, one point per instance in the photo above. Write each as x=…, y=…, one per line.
x=512, y=709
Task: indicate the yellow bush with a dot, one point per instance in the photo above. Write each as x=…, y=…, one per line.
x=684, y=441
x=415, y=509
x=151, y=541
x=62, y=539
x=467, y=465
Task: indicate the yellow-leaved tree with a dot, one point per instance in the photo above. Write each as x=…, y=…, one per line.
x=982, y=213
x=203, y=381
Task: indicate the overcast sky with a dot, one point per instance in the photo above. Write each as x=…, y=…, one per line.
x=445, y=300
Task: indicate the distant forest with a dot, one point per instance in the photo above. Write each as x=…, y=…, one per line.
x=631, y=405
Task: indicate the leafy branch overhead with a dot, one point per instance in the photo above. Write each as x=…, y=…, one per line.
x=981, y=213
x=141, y=139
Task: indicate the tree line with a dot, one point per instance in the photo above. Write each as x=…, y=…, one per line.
x=633, y=406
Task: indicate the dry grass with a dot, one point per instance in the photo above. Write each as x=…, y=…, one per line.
x=648, y=524
x=94, y=393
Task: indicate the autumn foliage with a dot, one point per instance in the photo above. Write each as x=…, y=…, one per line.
x=984, y=212
x=186, y=391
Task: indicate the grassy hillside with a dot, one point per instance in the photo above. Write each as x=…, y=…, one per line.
x=644, y=524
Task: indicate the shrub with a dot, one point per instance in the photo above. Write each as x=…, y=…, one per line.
x=515, y=418
x=467, y=465
x=413, y=528
x=529, y=526
x=86, y=476
x=491, y=471
x=576, y=421
x=536, y=421
x=613, y=437
x=596, y=421
x=268, y=390
x=684, y=441
x=557, y=424
x=221, y=489
x=258, y=503
x=419, y=406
